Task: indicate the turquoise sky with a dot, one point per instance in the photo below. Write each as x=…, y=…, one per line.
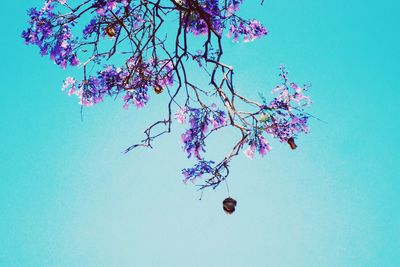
x=69, y=197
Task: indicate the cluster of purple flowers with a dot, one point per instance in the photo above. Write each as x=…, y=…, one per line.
x=139, y=97
x=203, y=14
x=199, y=120
x=51, y=34
x=250, y=30
x=233, y=6
x=257, y=142
x=91, y=91
x=104, y=6
x=287, y=118
x=91, y=28
x=105, y=20
x=200, y=168
x=197, y=26
x=217, y=14
x=134, y=81
x=282, y=118
x=288, y=126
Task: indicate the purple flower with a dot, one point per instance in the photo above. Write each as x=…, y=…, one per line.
x=50, y=40
x=257, y=142
x=68, y=82
x=250, y=30
x=90, y=28
x=199, y=121
x=200, y=168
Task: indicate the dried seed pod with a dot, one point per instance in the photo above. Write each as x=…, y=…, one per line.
x=110, y=30
x=229, y=205
x=291, y=143
x=264, y=117
x=158, y=89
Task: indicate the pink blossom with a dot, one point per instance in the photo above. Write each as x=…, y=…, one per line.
x=64, y=44
x=101, y=11
x=86, y=103
x=139, y=104
x=249, y=152
x=71, y=91
x=180, y=115
x=232, y=9
x=68, y=82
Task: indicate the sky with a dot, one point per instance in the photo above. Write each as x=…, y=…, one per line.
x=69, y=197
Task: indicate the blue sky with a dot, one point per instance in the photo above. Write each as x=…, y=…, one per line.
x=69, y=197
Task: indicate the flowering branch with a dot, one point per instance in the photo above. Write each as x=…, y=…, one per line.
x=133, y=32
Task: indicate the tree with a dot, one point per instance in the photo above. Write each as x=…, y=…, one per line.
x=130, y=33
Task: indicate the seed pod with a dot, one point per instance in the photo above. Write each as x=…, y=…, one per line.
x=158, y=89
x=291, y=143
x=264, y=117
x=229, y=205
x=110, y=30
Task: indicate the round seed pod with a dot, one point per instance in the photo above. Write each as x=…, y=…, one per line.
x=291, y=143
x=229, y=205
x=158, y=89
x=110, y=30
x=264, y=117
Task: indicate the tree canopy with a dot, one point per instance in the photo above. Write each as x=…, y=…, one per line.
x=123, y=51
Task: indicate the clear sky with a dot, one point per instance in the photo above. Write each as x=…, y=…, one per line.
x=69, y=197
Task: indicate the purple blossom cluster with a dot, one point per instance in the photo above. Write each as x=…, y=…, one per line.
x=215, y=15
x=103, y=7
x=51, y=34
x=287, y=116
x=288, y=126
x=106, y=23
x=198, y=170
x=250, y=30
x=200, y=120
x=201, y=15
x=258, y=143
x=133, y=81
x=91, y=28
x=282, y=118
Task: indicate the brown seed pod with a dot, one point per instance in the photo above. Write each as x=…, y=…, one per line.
x=158, y=89
x=110, y=30
x=229, y=205
x=291, y=143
